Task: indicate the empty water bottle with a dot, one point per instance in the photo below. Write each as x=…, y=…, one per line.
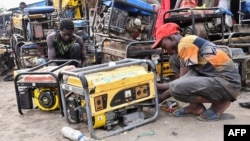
x=74, y=135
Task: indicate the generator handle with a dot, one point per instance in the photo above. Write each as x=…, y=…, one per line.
x=106, y=67
x=235, y=34
x=54, y=61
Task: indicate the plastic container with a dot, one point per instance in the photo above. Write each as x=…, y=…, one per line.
x=74, y=135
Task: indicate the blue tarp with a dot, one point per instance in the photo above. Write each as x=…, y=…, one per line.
x=140, y=7
x=245, y=6
x=40, y=3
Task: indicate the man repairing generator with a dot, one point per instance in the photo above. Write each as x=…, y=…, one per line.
x=207, y=74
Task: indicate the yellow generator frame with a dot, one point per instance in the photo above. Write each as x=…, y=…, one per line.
x=107, y=91
x=76, y=5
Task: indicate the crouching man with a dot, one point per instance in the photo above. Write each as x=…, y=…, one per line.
x=207, y=74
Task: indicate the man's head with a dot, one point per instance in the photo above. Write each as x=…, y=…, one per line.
x=22, y=5
x=167, y=37
x=66, y=29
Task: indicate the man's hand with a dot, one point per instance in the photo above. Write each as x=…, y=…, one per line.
x=162, y=87
x=53, y=64
x=82, y=64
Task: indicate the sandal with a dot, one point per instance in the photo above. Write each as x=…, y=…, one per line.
x=179, y=112
x=208, y=115
x=9, y=78
x=245, y=104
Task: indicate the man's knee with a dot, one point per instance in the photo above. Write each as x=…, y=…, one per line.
x=75, y=48
x=178, y=90
x=173, y=87
x=75, y=51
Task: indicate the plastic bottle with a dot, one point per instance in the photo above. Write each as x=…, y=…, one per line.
x=74, y=135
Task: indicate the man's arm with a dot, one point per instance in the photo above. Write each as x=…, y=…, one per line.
x=165, y=86
x=162, y=87
x=83, y=54
x=51, y=49
x=184, y=70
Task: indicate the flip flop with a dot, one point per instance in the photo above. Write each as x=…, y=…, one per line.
x=9, y=78
x=208, y=115
x=179, y=112
x=245, y=104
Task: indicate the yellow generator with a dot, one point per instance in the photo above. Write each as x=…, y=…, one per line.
x=164, y=72
x=39, y=86
x=121, y=93
x=74, y=7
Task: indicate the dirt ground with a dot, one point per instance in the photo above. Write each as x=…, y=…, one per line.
x=37, y=125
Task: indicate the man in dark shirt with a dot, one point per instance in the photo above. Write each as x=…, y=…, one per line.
x=64, y=44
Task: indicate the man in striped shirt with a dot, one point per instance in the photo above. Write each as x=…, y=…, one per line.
x=207, y=74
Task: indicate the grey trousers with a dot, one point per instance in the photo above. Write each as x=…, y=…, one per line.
x=191, y=85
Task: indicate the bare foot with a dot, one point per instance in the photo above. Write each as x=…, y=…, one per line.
x=220, y=106
x=195, y=108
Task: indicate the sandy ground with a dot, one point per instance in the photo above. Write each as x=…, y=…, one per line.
x=37, y=125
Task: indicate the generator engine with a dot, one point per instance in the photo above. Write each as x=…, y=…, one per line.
x=125, y=21
x=205, y=22
x=75, y=110
x=129, y=114
x=39, y=86
x=46, y=98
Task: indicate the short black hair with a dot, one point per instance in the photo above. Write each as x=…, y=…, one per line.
x=22, y=3
x=66, y=24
